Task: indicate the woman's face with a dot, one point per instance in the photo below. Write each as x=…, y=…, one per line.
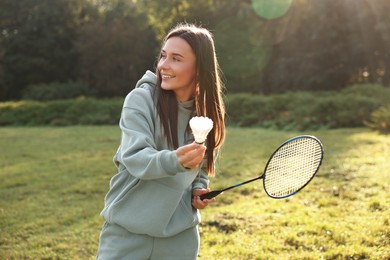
x=177, y=68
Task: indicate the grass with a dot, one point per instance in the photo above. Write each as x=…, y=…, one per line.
x=53, y=182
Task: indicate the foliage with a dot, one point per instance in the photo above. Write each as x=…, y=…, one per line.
x=323, y=45
x=53, y=181
x=380, y=119
x=56, y=90
x=351, y=107
x=38, y=42
x=307, y=110
x=242, y=58
x=315, y=45
x=84, y=111
x=116, y=49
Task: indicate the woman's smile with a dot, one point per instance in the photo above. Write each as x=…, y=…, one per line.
x=167, y=76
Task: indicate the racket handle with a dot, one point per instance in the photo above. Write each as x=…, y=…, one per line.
x=210, y=194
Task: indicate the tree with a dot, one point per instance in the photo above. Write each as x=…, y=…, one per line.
x=116, y=49
x=37, y=40
x=310, y=45
x=337, y=43
x=241, y=46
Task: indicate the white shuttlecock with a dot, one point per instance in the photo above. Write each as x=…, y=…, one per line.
x=200, y=127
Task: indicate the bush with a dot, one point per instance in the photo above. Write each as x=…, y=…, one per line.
x=380, y=119
x=351, y=107
x=82, y=111
x=342, y=111
x=56, y=91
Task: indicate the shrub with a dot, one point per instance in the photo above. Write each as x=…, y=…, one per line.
x=380, y=93
x=352, y=107
x=380, y=119
x=84, y=111
x=307, y=110
x=11, y=113
x=342, y=111
x=55, y=91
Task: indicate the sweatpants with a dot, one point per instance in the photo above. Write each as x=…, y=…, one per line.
x=118, y=243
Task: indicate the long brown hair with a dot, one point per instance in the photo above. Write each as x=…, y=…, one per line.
x=208, y=94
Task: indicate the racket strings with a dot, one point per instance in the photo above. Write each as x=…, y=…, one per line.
x=292, y=166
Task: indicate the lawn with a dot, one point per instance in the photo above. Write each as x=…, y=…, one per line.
x=53, y=182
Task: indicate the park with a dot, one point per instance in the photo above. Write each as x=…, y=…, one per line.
x=292, y=67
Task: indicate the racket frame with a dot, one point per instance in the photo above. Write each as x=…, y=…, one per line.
x=263, y=176
x=215, y=193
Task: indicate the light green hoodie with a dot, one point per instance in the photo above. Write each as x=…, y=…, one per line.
x=151, y=194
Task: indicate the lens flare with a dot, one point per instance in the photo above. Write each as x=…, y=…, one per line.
x=271, y=9
x=242, y=47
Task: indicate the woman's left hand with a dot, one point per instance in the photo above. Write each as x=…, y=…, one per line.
x=197, y=202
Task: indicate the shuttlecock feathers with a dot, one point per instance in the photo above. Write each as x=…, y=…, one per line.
x=201, y=127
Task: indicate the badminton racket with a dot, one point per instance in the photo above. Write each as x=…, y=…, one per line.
x=289, y=169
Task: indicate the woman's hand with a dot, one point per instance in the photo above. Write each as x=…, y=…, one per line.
x=191, y=155
x=197, y=202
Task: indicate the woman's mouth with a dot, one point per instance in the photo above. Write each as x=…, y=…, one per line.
x=167, y=76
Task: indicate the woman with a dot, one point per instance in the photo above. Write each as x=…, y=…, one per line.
x=151, y=209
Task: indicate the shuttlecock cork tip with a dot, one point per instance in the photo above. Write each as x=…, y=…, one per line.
x=201, y=127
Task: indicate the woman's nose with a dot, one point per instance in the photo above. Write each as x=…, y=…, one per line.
x=162, y=64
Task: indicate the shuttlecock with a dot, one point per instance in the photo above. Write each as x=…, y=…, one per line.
x=200, y=127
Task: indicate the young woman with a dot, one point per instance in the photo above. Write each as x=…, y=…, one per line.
x=151, y=209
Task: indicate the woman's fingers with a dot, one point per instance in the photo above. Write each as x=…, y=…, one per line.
x=197, y=202
x=182, y=150
x=190, y=156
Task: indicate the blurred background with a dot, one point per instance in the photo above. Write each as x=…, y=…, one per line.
x=287, y=64
x=319, y=67
x=102, y=47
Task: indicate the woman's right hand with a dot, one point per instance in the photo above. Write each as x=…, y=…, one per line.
x=191, y=155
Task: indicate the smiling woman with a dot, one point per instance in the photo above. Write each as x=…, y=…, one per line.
x=151, y=209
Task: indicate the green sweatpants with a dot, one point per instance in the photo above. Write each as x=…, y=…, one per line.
x=118, y=243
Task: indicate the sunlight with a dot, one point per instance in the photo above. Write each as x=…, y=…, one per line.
x=271, y=9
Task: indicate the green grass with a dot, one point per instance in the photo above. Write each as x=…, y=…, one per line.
x=53, y=182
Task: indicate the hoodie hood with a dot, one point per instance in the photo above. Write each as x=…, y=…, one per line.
x=149, y=78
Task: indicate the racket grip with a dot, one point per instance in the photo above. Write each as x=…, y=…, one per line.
x=210, y=194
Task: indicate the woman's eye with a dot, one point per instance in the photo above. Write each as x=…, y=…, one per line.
x=164, y=56
x=177, y=58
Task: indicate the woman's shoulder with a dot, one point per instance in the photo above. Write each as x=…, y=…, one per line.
x=138, y=97
x=148, y=80
x=143, y=91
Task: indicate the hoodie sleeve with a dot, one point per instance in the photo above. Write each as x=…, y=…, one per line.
x=202, y=180
x=138, y=152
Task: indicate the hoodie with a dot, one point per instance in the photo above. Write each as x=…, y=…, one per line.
x=151, y=193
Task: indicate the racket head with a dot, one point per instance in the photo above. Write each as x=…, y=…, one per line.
x=292, y=166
